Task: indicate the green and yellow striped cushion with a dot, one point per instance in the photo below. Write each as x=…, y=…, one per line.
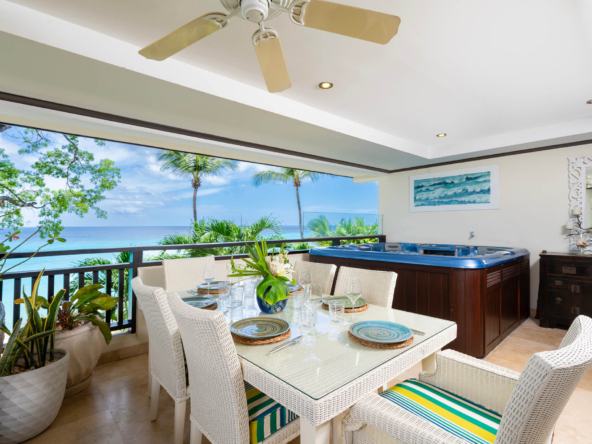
x=457, y=416
x=265, y=415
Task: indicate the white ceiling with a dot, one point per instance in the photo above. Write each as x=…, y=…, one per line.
x=494, y=75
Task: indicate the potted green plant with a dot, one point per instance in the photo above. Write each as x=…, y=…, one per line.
x=272, y=292
x=82, y=331
x=32, y=371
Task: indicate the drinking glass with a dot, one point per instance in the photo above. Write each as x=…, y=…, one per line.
x=314, y=298
x=236, y=296
x=308, y=319
x=249, y=293
x=209, y=274
x=336, y=311
x=353, y=291
x=298, y=297
x=224, y=295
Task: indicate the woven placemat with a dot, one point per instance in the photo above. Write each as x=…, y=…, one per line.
x=205, y=291
x=382, y=346
x=249, y=341
x=349, y=310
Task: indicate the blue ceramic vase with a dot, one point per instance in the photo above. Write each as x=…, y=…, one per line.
x=270, y=309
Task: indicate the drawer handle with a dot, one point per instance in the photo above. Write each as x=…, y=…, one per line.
x=558, y=300
x=569, y=269
x=575, y=288
x=559, y=283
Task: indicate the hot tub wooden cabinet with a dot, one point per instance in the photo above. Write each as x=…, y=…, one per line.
x=486, y=294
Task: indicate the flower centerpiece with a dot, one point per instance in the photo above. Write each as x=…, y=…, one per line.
x=272, y=292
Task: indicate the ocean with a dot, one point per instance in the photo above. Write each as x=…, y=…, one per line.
x=86, y=238
x=102, y=237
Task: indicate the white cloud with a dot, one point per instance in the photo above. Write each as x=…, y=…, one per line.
x=216, y=180
x=128, y=200
x=245, y=167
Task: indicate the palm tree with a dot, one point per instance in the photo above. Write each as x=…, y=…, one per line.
x=122, y=258
x=285, y=175
x=216, y=231
x=195, y=166
x=321, y=227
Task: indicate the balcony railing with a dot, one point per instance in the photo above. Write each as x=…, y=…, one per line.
x=116, y=277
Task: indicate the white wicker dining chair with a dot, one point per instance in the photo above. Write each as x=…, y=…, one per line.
x=378, y=287
x=219, y=401
x=322, y=274
x=529, y=402
x=184, y=274
x=167, y=364
x=152, y=277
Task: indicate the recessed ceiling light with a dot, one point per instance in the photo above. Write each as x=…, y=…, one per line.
x=589, y=102
x=441, y=135
x=325, y=85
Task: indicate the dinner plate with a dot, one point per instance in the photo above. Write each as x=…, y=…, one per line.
x=199, y=302
x=215, y=285
x=359, y=303
x=259, y=328
x=381, y=332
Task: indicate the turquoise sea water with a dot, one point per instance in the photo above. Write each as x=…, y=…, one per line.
x=86, y=238
x=101, y=237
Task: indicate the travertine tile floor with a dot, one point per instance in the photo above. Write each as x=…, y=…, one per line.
x=115, y=408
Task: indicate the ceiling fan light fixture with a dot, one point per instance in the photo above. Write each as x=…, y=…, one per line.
x=254, y=10
x=325, y=85
x=441, y=135
x=589, y=102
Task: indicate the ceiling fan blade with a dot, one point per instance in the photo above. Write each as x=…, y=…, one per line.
x=350, y=21
x=181, y=38
x=273, y=65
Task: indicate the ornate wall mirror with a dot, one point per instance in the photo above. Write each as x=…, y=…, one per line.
x=580, y=197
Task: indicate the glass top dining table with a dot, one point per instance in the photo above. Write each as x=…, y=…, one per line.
x=330, y=359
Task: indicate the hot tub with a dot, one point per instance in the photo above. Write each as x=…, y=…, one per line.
x=485, y=290
x=436, y=255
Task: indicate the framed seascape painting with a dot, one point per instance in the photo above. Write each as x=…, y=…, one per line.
x=467, y=189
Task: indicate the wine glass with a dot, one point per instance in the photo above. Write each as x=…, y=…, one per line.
x=353, y=291
x=209, y=274
x=305, y=279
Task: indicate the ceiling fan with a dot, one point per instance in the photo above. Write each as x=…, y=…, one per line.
x=349, y=21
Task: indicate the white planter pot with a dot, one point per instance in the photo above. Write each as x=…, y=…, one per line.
x=85, y=344
x=29, y=402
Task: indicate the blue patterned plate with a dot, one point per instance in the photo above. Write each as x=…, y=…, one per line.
x=359, y=303
x=380, y=332
x=292, y=287
x=199, y=302
x=259, y=328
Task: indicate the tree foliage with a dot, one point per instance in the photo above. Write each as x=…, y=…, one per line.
x=321, y=227
x=82, y=181
x=217, y=231
x=287, y=175
x=196, y=167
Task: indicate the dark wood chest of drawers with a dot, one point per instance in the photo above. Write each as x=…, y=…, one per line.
x=565, y=289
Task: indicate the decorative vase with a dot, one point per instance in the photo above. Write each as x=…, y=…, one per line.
x=30, y=401
x=85, y=344
x=278, y=307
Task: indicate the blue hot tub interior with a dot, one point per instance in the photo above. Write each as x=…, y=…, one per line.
x=438, y=255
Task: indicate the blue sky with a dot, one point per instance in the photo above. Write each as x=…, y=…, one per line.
x=147, y=196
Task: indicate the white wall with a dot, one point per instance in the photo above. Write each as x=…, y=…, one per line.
x=534, y=207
